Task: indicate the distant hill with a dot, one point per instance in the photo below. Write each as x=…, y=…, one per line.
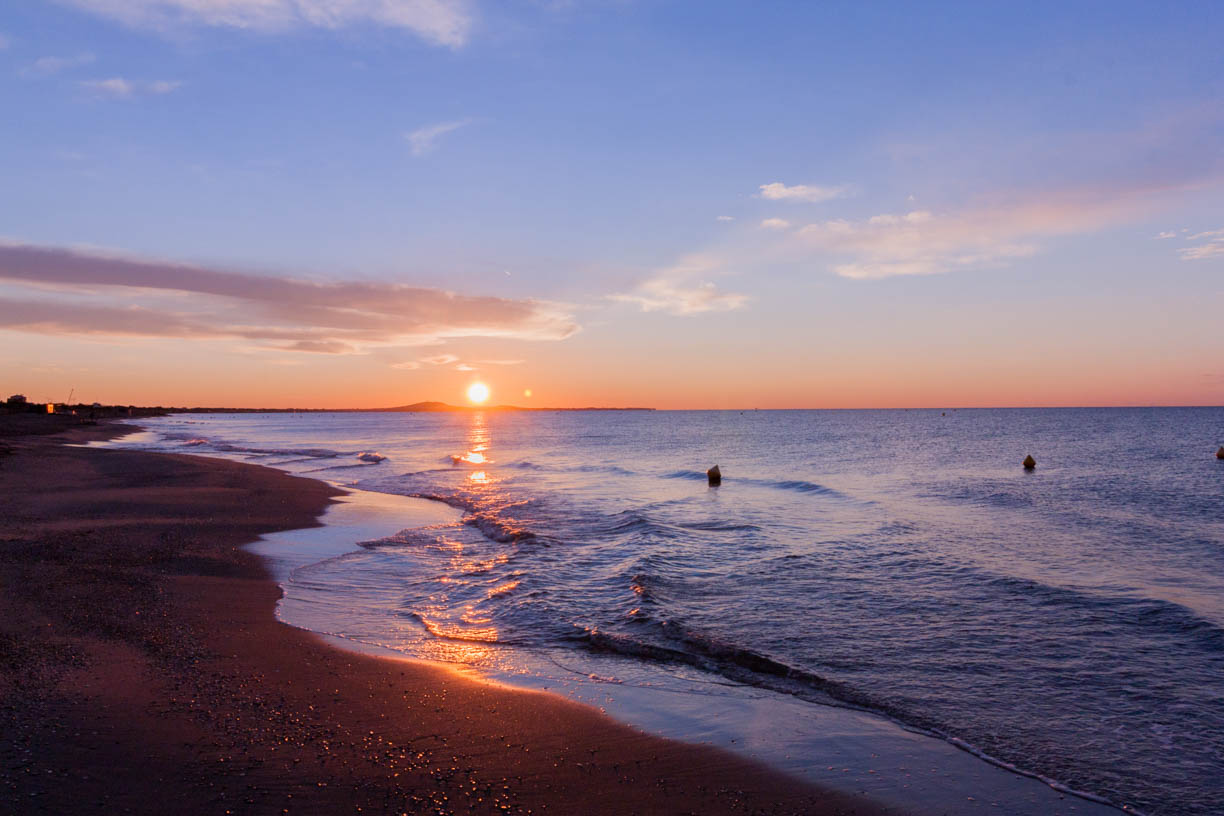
x=438, y=407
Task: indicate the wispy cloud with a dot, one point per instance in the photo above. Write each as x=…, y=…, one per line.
x=407, y=365
x=680, y=290
x=440, y=359
x=777, y=191
x=424, y=140
x=501, y=362
x=120, y=88
x=776, y=223
x=50, y=66
x=443, y=22
x=1215, y=249
x=59, y=291
x=725, y=218
x=1212, y=248
x=466, y=367
x=982, y=236
x=1166, y=234
x=919, y=243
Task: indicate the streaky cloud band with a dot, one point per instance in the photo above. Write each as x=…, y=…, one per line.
x=64, y=291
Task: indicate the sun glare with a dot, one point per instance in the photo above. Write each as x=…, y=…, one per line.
x=477, y=393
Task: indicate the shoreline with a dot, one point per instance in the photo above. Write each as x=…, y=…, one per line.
x=145, y=669
x=844, y=748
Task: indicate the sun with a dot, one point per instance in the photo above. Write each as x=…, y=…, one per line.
x=477, y=393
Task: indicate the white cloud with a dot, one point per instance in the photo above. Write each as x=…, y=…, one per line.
x=120, y=88
x=114, y=88
x=49, y=66
x=1213, y=248
x=1166, y=234
x=916, y=217
x=725, y=218
x=777, y=191
x=424, y=140
x=444, y=22
x=923, y=243
x=915, y=243
x=776, y=223
x=676, y=290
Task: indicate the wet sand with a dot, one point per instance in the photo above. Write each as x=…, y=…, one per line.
x=142, y=670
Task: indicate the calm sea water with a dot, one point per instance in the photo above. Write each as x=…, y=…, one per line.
x=1068, y=621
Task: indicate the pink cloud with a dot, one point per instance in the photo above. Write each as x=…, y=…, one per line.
x=82, y=292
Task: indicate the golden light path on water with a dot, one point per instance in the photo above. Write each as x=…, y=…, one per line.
x=468, y=638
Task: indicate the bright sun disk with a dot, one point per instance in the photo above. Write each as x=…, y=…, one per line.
x=477, y=393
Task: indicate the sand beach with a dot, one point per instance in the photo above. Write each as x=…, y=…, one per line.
x=143, y=671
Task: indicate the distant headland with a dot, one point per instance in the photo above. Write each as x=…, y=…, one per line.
x=19, y=404
x=433, y=407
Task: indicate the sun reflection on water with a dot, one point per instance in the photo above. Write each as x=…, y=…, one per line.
x=463, y=631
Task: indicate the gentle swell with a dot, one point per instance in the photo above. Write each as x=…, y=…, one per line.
x=795, y=485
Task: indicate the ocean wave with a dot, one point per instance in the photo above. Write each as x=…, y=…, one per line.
x=1162, y=615
x=525, y=464
x=225, y=447
x=504, y=531
x=361, y=465
x=679, y=645
x=795, y=485
x=693, y=475
x=452, y=633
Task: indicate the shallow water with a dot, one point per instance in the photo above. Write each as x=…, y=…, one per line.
x=1068, y=621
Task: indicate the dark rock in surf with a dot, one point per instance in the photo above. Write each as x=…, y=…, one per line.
x=1220, y=453
x=1029, y=462
x=714, y=475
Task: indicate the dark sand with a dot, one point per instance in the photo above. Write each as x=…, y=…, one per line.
x=142, y=671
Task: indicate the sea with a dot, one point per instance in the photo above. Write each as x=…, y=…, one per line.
x=1064, y=622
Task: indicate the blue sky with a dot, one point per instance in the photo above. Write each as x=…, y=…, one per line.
x=723, y=203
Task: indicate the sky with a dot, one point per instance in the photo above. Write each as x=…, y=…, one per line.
x=365, y=203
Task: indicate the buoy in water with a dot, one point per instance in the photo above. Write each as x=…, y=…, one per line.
x=1029, y=462
x=714, y=475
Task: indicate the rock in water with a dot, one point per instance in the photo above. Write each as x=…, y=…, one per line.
x=1029, y=462
x=1220, y=453
x=714, y=475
